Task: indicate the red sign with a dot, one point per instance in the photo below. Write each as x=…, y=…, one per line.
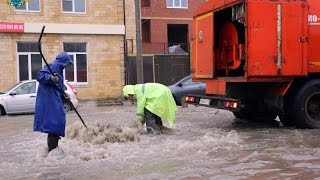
x=11, y=27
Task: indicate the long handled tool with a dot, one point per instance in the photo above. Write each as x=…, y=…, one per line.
x=64, y=93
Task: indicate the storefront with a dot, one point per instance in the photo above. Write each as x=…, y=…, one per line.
x=97, y=47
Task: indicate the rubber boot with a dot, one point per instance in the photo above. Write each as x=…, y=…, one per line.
x=151, y=125
x=158, y=121
x=52, y=141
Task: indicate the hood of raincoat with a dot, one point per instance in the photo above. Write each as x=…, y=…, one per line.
x=63, y=59
x=128, y=89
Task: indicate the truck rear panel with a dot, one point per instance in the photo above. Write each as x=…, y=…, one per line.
x=259, y=59
x=244, y=41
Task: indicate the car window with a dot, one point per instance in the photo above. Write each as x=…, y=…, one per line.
x=26, y=88
x=189, y=82
x=9, y=89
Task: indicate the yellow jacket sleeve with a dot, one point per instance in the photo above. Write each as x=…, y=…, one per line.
x=140, y=108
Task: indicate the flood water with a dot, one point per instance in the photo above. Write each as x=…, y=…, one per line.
x=205, y=144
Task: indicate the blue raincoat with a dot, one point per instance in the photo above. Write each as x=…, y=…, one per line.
x=49, y=114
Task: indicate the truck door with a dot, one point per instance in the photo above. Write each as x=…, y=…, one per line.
x=294, y=38
x=202, y=58
x=262, y=38
x=277, y=38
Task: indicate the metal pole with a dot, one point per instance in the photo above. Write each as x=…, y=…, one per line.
x=139, y=60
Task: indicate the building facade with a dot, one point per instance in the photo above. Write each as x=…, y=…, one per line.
x=167, y=23
x=92, y=32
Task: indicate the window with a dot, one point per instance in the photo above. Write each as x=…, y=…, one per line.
x=29, y=60
x=74, y=6
x=77, y=73
x=177, y=3
x=31, y=5
x=145, y=25
x=145, y=3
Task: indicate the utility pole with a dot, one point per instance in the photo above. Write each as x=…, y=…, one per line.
x=139, y=60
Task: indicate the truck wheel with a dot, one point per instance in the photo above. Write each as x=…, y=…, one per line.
x=306, y=105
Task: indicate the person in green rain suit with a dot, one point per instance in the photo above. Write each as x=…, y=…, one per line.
x=154, y=102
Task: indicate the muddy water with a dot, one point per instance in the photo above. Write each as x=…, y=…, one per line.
x=205, y=144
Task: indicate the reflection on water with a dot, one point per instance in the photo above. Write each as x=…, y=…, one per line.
x=203, y=145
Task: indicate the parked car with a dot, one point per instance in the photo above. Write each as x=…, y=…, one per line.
x=186, y=86
x=21, y=97
x=177, y=50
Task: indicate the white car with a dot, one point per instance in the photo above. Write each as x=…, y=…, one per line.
x=21, y=97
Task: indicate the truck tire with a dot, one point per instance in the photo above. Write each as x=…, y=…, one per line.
x=306, y=105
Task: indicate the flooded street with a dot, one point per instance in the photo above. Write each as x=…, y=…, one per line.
x=203, y=145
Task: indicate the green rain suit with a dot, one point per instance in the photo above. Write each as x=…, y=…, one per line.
x=155, y=97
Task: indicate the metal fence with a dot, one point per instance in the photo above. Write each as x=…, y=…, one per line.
x=158, y=48
x=164, y=69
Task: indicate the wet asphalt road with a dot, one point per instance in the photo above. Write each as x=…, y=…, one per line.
x=205, y=144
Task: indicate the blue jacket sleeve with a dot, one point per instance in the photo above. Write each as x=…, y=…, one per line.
x=44, y=77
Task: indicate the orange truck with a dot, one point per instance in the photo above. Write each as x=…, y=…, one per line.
x=259, y=59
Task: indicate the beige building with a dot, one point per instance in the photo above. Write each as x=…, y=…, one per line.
x=93, y=32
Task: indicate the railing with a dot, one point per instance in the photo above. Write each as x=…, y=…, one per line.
x=165, y=48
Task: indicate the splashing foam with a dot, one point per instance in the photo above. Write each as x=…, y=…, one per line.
x=100, y=133
x=222, y=138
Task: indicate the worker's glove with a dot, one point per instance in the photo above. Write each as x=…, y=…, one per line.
x=139, y=125
x=55, y=78
x=139, y=117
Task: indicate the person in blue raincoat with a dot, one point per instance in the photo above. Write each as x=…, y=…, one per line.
x=49, y=114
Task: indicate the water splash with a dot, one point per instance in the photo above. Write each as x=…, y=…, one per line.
x=101, y=132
